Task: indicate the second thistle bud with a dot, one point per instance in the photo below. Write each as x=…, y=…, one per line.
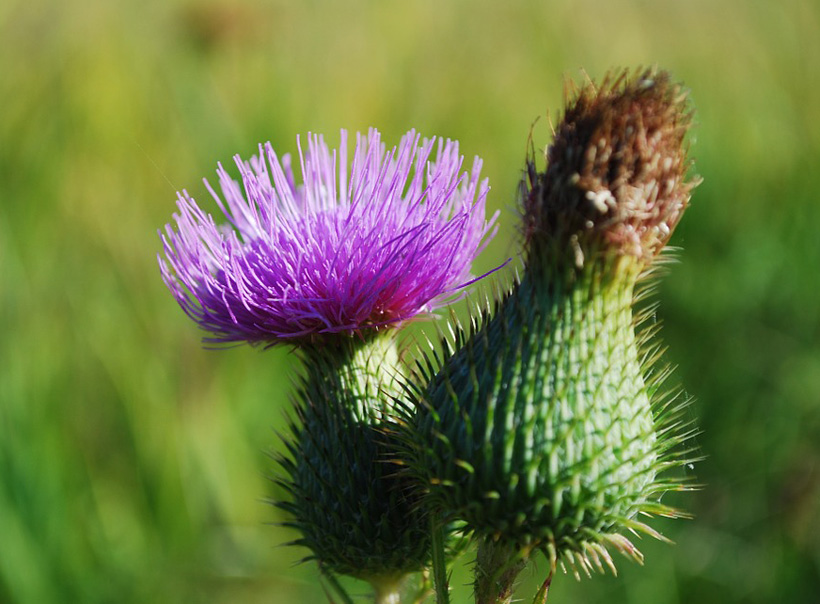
x=544, y=429
x=615, y=181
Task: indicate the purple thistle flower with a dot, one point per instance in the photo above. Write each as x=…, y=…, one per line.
x=345, y=252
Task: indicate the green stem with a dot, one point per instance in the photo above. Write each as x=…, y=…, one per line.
x=387, y=592
x=440, y=578
x=497, y=566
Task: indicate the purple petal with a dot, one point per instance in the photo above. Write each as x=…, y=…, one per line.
x=352, y=249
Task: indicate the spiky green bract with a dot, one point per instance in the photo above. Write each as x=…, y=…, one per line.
x=544, y=427
x=540, y=430
x=355, y=514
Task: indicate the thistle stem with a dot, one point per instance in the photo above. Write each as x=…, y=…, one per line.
x=387, y=592
x=440, y=578
x=497, y=566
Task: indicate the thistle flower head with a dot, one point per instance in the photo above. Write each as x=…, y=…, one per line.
x=616, y=171
x=350, y=250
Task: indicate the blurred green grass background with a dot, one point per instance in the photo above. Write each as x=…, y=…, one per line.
x=133, y=462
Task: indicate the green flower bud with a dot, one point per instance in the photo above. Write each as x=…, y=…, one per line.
x=355, y=513
x=545, y=427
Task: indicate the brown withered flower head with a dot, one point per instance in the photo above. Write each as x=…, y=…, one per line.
x=616, y=171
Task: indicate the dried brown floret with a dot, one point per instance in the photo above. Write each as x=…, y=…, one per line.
x=616, y=176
